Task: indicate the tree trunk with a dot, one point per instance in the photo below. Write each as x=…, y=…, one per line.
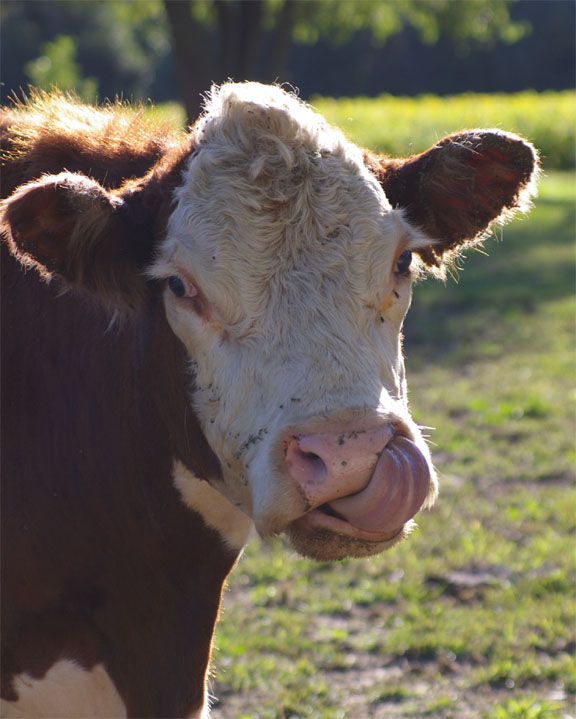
x=194, y=58
x=197, y=62
x=239, y=31
x=250, y=37
x=282, y=43
x=227, y=37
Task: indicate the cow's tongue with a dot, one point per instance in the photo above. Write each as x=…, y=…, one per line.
x=396, y=491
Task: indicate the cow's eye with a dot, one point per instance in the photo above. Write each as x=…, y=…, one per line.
x=403, y=263
x=181, y=288
x=177, y=287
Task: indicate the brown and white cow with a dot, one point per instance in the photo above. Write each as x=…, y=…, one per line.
x=201, y=331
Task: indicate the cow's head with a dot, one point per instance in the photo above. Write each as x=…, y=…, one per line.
x=287, y=264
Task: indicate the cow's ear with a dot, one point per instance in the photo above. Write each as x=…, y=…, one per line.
x=456, y=189
x=69, y=225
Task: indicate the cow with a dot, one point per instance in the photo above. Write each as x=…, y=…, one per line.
x=202, y=333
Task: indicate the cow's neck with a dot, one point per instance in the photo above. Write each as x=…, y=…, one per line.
x=128, y=577
x=179, y=606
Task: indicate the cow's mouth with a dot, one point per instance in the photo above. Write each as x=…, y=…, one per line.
x=379, y=513
x=326, y=518
x=322, y=536
x=343, y=526
x=327, y=509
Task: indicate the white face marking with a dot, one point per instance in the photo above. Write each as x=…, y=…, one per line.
x=66, y=691
x=231, y=524
x=288, y=248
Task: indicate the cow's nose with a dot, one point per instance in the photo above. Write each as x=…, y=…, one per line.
x=326, y=467
x=370, y=478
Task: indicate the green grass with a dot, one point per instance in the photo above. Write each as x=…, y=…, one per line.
x=491, y=367
x=401, y=126
x=527, y=708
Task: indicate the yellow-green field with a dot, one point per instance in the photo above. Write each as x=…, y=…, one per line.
x=401, y=126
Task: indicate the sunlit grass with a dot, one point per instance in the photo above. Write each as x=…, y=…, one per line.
x=401, y=126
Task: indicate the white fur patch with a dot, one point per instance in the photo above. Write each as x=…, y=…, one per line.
x=218, y=513
x=67, y=691
x=292, y=245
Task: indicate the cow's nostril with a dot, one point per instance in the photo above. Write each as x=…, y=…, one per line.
x=311, y=456
x=309, y=468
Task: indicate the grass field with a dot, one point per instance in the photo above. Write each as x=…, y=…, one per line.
x=401, y=126
x=473, y=616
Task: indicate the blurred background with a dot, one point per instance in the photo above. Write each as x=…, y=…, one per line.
x=474, y=616
x=173, y=49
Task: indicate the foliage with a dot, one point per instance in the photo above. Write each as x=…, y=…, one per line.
x=472, y=617
x=126, y=44
x=121, y=44
x=334, y=46
x=238, y=26
x=482, y=20
x=527, y=709
x=401, y=126
x=477, y=20
x=57, y=67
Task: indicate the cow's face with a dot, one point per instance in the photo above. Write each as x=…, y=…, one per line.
x=287, y=275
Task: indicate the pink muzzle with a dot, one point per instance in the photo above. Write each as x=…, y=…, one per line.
x=372, y=478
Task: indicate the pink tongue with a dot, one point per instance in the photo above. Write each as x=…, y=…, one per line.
x=396, y=491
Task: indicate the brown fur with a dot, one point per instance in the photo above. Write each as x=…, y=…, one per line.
x=51, y=133
x=455, y=190
x=97, y=233
x=123, y=573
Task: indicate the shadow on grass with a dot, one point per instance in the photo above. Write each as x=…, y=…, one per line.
x=532, y=266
